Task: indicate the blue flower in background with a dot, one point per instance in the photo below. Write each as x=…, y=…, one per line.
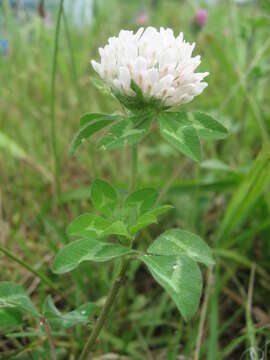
x=4, y=46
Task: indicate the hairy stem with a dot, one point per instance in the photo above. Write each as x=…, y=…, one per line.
x=118, y=281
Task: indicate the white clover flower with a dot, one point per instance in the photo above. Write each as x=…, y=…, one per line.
x=160, y=64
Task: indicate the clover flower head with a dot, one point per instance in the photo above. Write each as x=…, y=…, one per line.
x=201, y=17
x=142, y=18
x=150, y=67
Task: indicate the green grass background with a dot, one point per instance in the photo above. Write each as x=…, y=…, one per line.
x=226, y=201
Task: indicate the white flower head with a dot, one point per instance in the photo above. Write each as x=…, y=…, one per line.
x=150, y=67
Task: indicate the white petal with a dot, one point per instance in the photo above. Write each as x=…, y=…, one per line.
x=139, y=33
x=140, y=64
x=98, y=68
x=124, y=77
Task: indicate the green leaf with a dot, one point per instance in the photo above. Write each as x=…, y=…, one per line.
x=90, y=117
x=10, y=317
x=144, y=200
x=91, y=125
x=160, y=210
x=91, y=225
x=176, y=241
x=179, y=132
x=175, y=119
x=117, y=228
x=103, y=196
x=142, y=222
x=58, y=320
x=208, y=128
x=87, y=250
x=148, y=215
x=14, y=296
x=127, y=132
x=180, y=277
x=114, y=139
x=87, y=225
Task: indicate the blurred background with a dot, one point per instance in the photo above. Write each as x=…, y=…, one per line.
x=225, y=199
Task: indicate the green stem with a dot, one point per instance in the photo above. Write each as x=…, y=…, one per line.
x=117, y=282
x=29, y=268
x=134, y=168
x=72, y=59
x=105, y=311
x=52, y=102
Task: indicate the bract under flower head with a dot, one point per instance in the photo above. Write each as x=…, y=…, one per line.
x=150, y=68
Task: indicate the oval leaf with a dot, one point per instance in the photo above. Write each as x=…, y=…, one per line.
x=176, y=241
x=127, y=132
x=143, y=199
x=87, y=225
x=86, y=250
x=180, y=277
x=90, y=126
x=103, y=196
x=90, y=117
x=142, y=222
x=180, y=134
x=57, y=319
x=14, y=296
x=117, y=228
x=160, y=210
x=207, y=127
x=10, y=317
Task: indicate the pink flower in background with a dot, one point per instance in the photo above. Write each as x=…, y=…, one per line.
x=142, y=18
x=201, y=17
